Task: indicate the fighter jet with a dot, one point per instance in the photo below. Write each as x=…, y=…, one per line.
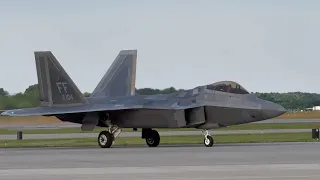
x=115, y=105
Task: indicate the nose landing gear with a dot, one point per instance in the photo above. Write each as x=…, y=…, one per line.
x=208, y=140
x=106, y=138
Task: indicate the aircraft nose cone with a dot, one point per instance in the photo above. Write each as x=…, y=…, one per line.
x=271, y=110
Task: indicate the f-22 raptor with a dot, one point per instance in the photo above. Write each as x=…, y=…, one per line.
x=114, y=104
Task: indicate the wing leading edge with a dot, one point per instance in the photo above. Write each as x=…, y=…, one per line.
x=51, y=111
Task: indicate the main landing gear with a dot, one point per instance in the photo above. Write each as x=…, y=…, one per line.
x=208, y=140
x=151, y=136
x=106, y=138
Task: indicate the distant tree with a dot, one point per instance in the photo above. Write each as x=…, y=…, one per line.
x=3, y=92
x=33, y=91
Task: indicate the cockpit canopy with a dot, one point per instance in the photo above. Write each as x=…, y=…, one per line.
x=227, y=86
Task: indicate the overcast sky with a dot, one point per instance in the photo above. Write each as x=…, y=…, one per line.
x=270, y=45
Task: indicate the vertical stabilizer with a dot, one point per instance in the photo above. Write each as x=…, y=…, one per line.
x=56, y=87
x=120, y=78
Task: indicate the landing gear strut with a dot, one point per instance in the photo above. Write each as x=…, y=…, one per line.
x=208, y=140
x=151, y=136
x=106, y=138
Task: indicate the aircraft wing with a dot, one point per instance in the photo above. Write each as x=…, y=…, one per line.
x=42, y=111
x=47, y=111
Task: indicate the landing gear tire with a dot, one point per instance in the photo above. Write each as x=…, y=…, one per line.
x=105, y=139
x=154, y=139
x=208, y=141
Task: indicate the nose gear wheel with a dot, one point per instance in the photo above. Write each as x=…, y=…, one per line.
x=208, y=140
x=105, y=139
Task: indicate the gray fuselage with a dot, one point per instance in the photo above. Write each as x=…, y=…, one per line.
x=196, y=108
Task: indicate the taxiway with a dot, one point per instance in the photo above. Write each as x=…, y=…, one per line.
x=228, y=162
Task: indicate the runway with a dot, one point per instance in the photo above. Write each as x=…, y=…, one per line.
x=138, y=134
x=228, y=162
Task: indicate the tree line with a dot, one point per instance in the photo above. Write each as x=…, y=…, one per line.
x=291, y=100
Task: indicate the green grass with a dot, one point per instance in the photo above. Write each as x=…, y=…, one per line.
x=92, y=142
x=253, y=126
x=238, y=127
x=300, y=115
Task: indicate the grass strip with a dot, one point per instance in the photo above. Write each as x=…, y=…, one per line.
x=92, y=142
x=237, y=127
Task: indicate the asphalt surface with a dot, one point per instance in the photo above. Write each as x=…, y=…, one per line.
x=289, y=161
x=138, y=134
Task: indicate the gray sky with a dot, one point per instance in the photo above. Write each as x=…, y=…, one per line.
x=265, y=46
